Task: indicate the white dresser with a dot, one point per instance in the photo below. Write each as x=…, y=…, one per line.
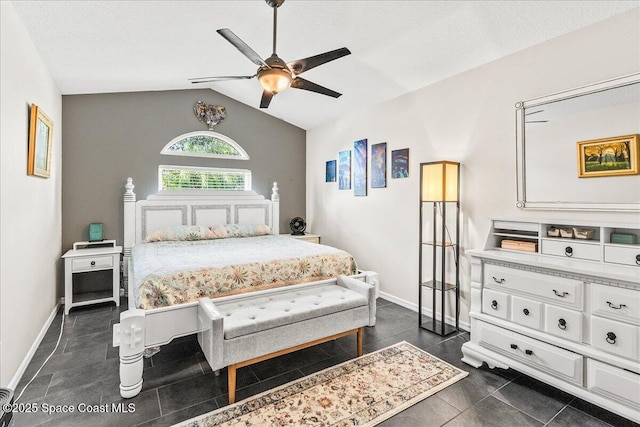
x=567, y=313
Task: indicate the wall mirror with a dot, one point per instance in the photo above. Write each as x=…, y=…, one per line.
x=553, y=131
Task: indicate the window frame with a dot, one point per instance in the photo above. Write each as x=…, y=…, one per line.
x=245, y=172
x=243, y=154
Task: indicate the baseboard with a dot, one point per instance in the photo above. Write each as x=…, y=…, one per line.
x=27, y=359
x=466, y=326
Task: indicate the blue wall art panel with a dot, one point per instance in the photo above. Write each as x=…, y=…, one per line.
x=379, y=165
x=344, y=170
x=330, y=172
x=360, y=168
x=400, y=163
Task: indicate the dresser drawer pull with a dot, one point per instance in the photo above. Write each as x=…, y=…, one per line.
x=526, y=311
x=562, y=324
x=638, y=259
x=568, y=251
x=494, y=304
x=529, y=352
x=611, y=338
x=501, y=280
x=614, y=307
x=93, y=263
x=561, y=295
x=514, y=346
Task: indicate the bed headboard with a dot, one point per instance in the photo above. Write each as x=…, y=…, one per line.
x=170, y=208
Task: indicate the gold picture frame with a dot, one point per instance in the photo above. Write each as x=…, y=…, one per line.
x=613, y=156
x=40, y=136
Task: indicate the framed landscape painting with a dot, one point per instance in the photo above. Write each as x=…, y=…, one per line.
x=360, y=168
x=344, y=170
x=40, y=135
x=330, y=171
x=608, y=156
x=379, y=165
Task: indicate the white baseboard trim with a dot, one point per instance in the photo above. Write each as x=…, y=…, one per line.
x=466, y=326
x=27, y=359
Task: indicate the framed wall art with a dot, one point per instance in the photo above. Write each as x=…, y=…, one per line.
x=379, y=165
x=608, y=156
x=344, y=170
x=40, y=135
x=360, y=168
x=330, y=171
x=400, y=163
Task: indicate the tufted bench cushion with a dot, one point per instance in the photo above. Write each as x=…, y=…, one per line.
x=261, y=313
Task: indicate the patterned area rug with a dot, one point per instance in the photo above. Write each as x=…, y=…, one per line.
x=361, y=392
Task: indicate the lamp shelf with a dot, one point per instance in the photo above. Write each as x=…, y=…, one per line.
x=438, y=285
x=445, y=244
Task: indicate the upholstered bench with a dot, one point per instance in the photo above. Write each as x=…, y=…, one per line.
x=239, y=332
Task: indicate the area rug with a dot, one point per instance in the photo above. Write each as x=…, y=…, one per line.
x=360, y=392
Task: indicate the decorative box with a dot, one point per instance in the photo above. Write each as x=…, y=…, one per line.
x=553, y=232
x=566, y=232
x=584, y=233
x=624, y=238
x=519, y=245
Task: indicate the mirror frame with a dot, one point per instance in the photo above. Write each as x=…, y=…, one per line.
x=521, y=182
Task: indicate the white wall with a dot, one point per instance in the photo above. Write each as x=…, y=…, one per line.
x=30, y=216
x=468, y=118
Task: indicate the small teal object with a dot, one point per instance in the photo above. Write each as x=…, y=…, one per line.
x=96, y=232
x=624, y=238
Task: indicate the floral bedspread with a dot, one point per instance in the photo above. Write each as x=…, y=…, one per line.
x=176, y=272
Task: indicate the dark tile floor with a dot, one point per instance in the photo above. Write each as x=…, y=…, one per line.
x=82, y=376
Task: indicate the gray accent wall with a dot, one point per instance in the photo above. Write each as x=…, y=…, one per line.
x=109, y=137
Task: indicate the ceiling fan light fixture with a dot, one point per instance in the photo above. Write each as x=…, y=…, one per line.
x=274, y=80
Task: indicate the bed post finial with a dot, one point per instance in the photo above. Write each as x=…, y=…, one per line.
x=275, y=196
x=129, y=195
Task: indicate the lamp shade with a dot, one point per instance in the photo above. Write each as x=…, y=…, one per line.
x=440, y=181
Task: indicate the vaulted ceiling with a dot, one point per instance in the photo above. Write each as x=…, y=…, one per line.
x=397, y=46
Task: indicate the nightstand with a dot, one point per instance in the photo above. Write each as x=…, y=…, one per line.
x=89, y=258
x=313, y=238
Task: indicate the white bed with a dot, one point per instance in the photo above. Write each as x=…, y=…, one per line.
x=141, y=329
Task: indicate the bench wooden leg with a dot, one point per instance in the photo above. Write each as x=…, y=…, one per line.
x=232, y=383
x=359, y=335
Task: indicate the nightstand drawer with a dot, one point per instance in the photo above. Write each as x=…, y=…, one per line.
x=91, y=263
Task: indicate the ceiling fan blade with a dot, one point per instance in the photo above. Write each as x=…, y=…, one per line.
x=219, y=79
x=301, y=65
x=300, y=83
x=242, y=47
x=266, y=99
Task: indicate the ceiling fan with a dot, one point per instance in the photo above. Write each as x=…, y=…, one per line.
x=273, y=73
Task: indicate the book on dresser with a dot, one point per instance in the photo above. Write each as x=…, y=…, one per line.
x=566, y=310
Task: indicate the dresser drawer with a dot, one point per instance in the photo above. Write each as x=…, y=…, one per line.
x=495, y=303
x=571, y=249
x=526, y=312
x=622, y=255
x=613, y=382
x=91, y=263
x=553, y=360
x=615, y=337
x=616, y=303
x=558, y=290
x=563, y=323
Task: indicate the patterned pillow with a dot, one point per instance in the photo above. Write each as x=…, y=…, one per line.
x=183, y=232
x=240, y=230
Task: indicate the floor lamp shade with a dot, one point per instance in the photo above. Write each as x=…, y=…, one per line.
x=440, y=181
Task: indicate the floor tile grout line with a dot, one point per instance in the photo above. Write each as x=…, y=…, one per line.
x=558, y=413
x=159, y=404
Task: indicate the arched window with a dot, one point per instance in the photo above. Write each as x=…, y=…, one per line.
x=205, y=144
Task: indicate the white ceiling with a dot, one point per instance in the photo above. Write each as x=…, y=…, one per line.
x=397, y=46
